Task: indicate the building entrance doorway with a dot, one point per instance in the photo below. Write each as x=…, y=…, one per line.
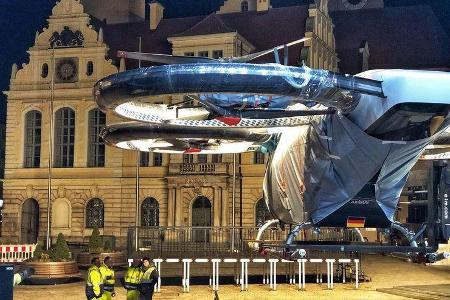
x=201, y=217
x=30, y=222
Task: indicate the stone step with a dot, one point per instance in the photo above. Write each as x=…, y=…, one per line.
x=445, y=294
x=164, y=294
x=416, y=292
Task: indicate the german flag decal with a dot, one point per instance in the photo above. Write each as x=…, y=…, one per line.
x=355, y=222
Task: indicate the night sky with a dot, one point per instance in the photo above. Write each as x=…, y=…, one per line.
x=19, y=21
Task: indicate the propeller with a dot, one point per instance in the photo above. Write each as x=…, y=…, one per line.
x=249, y=57
x=165, y=58
x=178, y=59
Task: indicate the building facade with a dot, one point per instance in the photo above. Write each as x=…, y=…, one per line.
x=51, y=113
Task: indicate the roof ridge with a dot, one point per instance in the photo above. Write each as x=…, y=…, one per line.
x=207, y=18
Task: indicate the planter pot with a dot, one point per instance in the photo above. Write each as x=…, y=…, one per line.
x=84, y=259
x=53, y=272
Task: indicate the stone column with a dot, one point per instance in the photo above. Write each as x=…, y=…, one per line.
x=179, y=207
x=224, y=200
x=216, y=207
x=170, y=204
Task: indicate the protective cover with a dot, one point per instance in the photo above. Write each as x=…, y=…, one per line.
x=318, y=168
x=230, y=84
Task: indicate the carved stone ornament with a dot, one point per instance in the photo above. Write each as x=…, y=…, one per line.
x=67, y=7
x=67, y=38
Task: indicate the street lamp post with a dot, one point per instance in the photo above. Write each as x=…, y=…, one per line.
x=50, y=150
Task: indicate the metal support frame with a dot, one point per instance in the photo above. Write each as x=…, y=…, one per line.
x=344, y=262
x=186, y=274
x=215, y=275
x=410, y=235
x=317, y=261
x=244, y=274
x=290, y=272
x=263, y=261
x=330, y=273
x=273, y=274
x=301, y=274
x=158, y=262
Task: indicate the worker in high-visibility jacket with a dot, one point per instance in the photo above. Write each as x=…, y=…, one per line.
x=132, y=279
x=109, y=279
x=149, y=279
x=94, y=282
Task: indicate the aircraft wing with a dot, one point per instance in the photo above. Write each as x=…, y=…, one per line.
x=168, y=138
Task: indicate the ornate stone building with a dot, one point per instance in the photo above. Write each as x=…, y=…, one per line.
x=95, y=186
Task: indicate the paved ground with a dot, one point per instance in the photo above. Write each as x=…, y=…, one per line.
x=386, y=272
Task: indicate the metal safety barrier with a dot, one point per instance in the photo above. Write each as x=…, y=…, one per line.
x=242, y=277
x=16, y=253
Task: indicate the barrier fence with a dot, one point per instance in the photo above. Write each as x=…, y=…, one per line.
x=218, y=242
x=298, y=274
x=16, y=253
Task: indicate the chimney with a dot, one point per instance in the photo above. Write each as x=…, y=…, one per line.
x=262, y=5
x=156, y=14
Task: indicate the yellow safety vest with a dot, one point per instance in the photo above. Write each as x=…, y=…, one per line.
x=94, y=283
x=107, y=272
x=133, y=275
x=108, y=277
x=146, y=275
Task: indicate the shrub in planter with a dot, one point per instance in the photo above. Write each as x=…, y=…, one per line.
x=95, y=242
x=99, y=248
x=53, y=266
x=60, y=251
x=108, y=247
x=38, y=252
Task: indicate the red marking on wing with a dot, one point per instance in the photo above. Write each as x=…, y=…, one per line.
x=192, y=150
x=229, y=121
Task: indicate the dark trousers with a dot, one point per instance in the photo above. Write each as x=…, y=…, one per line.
x=146, y=296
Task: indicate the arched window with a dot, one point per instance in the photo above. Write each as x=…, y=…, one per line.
x=262, y=213
x=89, y=68
x=44, y=71
x=96, y=147
x=95, y=213
x=244, y=6
x=150, y=212
x=32, y=145
x=29, y=222
x=61, y=213
x=64, y=137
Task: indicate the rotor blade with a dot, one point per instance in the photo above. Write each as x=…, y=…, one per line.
x=252, y=56
x=165, y=58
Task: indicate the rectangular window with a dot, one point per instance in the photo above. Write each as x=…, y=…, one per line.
x=188, y=158
x=217, y=158
x=157, y=159
x=188, y=53
x=258, y=158
x=217, y=54
x=64, y=138
x=145, y=159
x=96, y=147
x=203, y=53
x=32, y=139
x=202, y=158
